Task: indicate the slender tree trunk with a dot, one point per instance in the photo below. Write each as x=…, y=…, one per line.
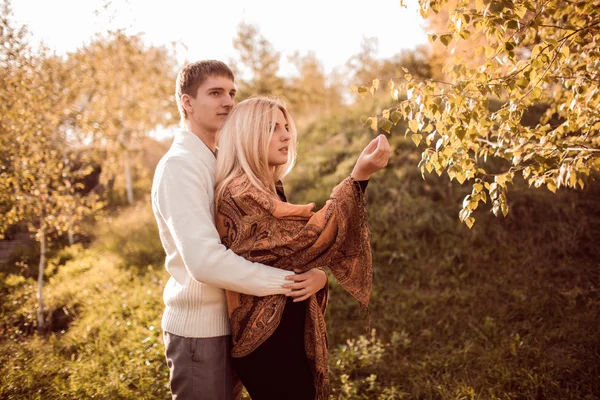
x=40, y=282
x=128, y=177
x=70, y=230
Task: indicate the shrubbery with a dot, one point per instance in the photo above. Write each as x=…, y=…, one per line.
x=506, y=310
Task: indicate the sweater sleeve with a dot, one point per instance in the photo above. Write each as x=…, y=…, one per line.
x=182, y=200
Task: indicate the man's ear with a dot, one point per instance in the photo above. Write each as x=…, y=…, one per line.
x=187, y=105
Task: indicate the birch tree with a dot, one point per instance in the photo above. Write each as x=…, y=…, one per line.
x=526, y=53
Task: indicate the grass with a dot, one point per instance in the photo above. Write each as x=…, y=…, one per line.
x=507, y=310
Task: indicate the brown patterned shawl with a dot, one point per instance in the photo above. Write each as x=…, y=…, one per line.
x=266, y=230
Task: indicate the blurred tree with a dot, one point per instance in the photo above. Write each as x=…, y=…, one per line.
x=535, y=53
x=261, y=60
x=311, y=93
x=38, y=177
x=126, y=90
x=417, y=62
x=364, y=66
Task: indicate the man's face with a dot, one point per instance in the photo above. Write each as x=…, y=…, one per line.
x=213, y=102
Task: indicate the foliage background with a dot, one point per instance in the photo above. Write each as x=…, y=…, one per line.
x=508, y=309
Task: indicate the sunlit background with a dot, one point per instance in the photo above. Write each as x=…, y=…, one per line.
x=333, y=30
x=485, y=236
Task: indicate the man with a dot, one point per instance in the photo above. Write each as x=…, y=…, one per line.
x=195, y=323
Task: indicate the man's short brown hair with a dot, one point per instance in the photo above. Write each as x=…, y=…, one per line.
x=193, y=75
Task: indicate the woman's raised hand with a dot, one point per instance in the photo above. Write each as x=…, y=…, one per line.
x=373, y=158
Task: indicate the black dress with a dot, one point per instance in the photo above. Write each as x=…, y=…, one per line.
x=278, y=369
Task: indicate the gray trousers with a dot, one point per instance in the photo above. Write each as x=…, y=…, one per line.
x=200, y=368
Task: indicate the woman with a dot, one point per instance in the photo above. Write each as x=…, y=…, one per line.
x=280, y=347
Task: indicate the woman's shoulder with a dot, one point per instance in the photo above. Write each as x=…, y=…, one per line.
x=236, y=186
x=243, y=191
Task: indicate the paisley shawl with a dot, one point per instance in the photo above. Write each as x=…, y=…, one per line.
x=269, y=231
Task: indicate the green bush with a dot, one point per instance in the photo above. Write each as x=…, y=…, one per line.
x=132, y=236
x=110, y=344
x=507, y=310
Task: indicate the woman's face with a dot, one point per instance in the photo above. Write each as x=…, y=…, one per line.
x=279, y=144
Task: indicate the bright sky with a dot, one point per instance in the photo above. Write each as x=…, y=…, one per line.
x=332, y=29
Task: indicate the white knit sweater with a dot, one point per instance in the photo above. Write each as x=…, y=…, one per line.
x=199, y=265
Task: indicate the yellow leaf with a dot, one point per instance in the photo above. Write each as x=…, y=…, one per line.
x=375, y=84
x=416, y=138
x=385, y=124
x=572, y=179
x=500, y=179
x=446, y=39
x=504, y=209
x=470, y=221
x=362, y=90
x=413, y=125
x=372, y=122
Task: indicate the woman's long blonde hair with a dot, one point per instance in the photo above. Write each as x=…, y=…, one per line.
x=244, y=142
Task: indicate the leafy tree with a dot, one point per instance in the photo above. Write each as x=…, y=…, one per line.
x=39, y=174
x=364, y=65
x=311, y=93
x=259, y=57
x=536, y=55
x=127, y=90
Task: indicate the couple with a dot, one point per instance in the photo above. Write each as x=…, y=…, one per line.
x=247, y=295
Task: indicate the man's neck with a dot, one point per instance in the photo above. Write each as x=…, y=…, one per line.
x=208, y=138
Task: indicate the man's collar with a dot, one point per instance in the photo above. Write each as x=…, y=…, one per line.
x=196, y=146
